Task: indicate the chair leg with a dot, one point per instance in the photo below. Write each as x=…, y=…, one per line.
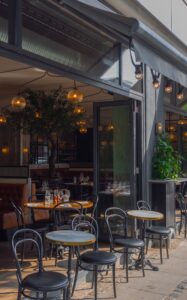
x=64, y=294
x=167, y=246
x=142, y=261
x=19, y=294
x=127, y=265
x=147, y=245
x=161, y=260
x=75, y=279
x=95, y=282
x=114, y=279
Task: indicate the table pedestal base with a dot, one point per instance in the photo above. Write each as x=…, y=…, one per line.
x=138, y=265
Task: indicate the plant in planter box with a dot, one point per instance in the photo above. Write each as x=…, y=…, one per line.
x=166, y=163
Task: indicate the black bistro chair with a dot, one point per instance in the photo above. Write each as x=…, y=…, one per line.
x=92, y=260
x=155, y=232
x=40, y=228
x=120, y=241
x=39, y=281
x=183, y=213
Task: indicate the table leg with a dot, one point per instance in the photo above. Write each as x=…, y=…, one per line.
x=69, y=273
x=138, y=263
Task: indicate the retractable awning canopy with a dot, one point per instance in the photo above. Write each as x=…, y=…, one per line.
x=150, y=48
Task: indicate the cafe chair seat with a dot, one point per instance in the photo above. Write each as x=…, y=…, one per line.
x=129, y=242
x=158, y=230
x=120, y=238
x=92, y=260
x=98, y=257
x=46, y=281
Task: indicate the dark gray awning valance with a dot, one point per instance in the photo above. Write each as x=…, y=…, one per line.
x=149, y=47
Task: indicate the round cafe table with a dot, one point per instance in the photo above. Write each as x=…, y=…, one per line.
x=44, y=205
x=70, y=238
x=145, y=215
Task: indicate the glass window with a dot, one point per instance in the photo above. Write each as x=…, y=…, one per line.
x=3, y=30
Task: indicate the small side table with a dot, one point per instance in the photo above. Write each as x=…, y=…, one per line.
x=71, y=238
x=145, y=215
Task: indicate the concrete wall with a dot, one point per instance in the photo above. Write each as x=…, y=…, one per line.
x=172, y=13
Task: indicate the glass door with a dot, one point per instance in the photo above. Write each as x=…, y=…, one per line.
x=115, y=157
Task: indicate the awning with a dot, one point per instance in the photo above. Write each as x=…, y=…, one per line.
x=149, y=47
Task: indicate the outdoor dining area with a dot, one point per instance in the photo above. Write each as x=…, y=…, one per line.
x=49, y=253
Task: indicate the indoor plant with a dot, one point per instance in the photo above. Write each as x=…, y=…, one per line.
x=48, y=115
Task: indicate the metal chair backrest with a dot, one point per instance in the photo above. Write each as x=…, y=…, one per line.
x=63, y=211
x=19, y=239
x=181, y=201
x=116, y=220
x=95, y=206
x=143, y=205
x=19, y=215
x=86, y=223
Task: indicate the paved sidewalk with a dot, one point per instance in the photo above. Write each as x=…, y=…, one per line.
x=169, y=283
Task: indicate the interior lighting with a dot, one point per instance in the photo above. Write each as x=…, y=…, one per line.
x=172, y=128
x=5, y=150
x=25, y=150
x=83, y=130
x=75, y=95
x=110, y=127
x=172, y=136
x=81, y=123
x=38, y=115
x=18, y=102
x=181, y=122
x=79, y=110
x=2, y=119
x=180, y=94
x=156, y=82
x=168, y=87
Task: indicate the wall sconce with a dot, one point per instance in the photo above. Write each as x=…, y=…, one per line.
x=180, y=94
x=168, y=87
x=138, y=66
x=158, y=128
x=156, y=82
x=25, y=150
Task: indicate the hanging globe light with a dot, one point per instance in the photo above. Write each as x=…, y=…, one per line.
x=79, y=110
x=5, y=150
x=81, y=123
x=83, y=130
x=2, y=119
x=75, y=95
x=168, y=87
x=18, y=102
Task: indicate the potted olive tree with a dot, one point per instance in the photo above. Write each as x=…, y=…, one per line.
x=45, y=114
x=166, y=169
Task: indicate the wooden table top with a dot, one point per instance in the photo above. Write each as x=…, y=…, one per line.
x=43, y=205
x=71, y=237
x=148, y=215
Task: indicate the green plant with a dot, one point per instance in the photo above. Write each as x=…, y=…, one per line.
x=166, y=163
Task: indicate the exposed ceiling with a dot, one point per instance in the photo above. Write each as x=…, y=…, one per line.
x=16, y=76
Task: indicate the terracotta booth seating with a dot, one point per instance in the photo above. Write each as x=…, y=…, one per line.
x=15, y=192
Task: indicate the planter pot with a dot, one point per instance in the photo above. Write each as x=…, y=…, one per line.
x=163, y=200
